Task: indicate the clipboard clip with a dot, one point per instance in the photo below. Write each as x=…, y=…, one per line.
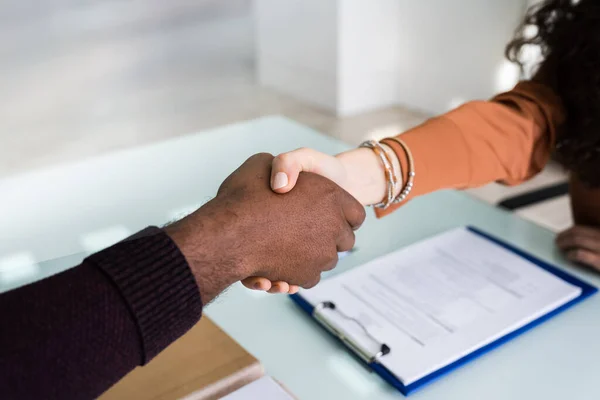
x=364, y=354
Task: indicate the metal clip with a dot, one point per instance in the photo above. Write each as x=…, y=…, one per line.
x=359, y=350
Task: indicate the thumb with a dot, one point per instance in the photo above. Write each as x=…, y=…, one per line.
x=286, y=167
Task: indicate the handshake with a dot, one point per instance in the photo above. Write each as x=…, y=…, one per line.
x=271, y=225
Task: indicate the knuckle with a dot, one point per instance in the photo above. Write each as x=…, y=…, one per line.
x=362, y=215
x=351, y=240
x=283, y=157
x=331, y=261
x=582, y=256
x=346, y=238
x=331, y=265
x=312, y=283
x=262, y=156
x=332, y=256
x=285, y=160
x=577, y=254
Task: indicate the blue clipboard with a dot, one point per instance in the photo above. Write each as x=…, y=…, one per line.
x=586, y=291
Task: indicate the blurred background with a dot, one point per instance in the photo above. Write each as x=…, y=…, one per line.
x=82, y=78
x=79, y=78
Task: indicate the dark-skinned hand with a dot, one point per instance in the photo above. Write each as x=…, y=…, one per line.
x=249, y=230
x=581, y=244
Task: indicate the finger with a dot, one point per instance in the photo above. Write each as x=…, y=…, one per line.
x=580, y=231
x=331, y=264
x=287, y=167
x=279, y=287
x=294, y=289
x=354, y=212
x=587, y=231
x=564, y=238
x=257, y=283
x=579, y=237
x=346, y=239
x=585, y=257
x=312, y=283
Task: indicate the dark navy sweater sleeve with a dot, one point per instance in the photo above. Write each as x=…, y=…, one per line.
x=75, y=334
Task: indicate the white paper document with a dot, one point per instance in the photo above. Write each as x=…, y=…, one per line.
x=438, y=300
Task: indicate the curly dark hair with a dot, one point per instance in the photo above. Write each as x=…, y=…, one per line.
x=568, y=35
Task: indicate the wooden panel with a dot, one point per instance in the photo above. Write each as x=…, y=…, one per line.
x=203, y=364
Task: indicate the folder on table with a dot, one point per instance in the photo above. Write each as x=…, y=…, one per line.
x=416, y=314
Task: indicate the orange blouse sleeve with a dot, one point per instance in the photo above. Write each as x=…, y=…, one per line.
x=507, y=139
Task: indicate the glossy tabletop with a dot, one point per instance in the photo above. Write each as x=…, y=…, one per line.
x=79, y=208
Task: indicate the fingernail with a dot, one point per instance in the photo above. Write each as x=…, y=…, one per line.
x=257, y=285
x=280, y=180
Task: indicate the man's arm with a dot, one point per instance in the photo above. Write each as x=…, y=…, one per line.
x=75, y=334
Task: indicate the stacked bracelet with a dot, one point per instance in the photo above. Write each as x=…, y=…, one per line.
x=410, y=173
x=390, y=175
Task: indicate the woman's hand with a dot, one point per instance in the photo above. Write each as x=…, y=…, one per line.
x=358, y=171
x=581, y=245
x=287, y=167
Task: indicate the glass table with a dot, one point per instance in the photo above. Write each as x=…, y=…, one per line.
x=80, y=208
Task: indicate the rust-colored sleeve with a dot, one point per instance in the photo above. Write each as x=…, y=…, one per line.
x=507, y=139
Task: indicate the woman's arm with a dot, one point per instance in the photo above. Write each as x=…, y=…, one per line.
x=358, y=171
x=507, y=139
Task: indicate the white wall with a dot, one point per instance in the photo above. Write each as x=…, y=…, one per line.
x=355, y=55
x=453, y=51
x=296, y=48
x=369, y=46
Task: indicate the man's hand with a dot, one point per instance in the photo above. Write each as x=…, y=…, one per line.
x=248, y=230
x=357, y=171
x=581, y=245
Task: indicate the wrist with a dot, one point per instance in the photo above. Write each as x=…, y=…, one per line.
x=396, y=166
x=366, y=179
x=207, y=240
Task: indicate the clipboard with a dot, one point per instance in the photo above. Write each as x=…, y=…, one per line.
x=371, y=359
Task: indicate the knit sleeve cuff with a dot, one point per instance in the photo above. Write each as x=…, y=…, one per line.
x=157, y=285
